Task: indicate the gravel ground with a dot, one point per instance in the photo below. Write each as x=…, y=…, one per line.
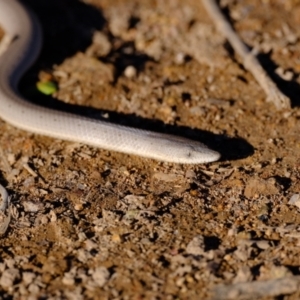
x=94, y=224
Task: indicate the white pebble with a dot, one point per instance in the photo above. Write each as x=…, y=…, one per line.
x=30, y=206
x=286, y=75
x=28, y=277
x=130, y=72
x=180, y=58
x=68, y=279
x=8, y=277
x=295, y=200
x=196, y=246
x=100, y=276
x=210, y=78
x=263, y=244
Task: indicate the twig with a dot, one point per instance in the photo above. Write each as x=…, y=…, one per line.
x=4, y=210
x=249, y=60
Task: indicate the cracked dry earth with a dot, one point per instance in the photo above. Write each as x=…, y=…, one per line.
x=94, y=224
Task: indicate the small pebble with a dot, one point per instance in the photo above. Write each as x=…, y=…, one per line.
x=33, y=288
x=31, y=206
x=295, y=200
x=68, y=279
x=180, y=58
x=9, y=276
x=210, y=78
x=100, y=276
x=286, y=75
x=130, y=72
x=196, y=246
x=263, y=245
x=28, y=277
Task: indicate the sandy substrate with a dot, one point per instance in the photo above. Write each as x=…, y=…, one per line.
x=94, y=224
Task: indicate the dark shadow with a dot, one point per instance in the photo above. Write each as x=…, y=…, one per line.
x=229, y=148
x=285, y=182
x=211, y=243
x=3, y=180
x=255, y=270
x=290, y=88
x=126, y=55
x=294, y=269
x=68, y=27
x=233, y=148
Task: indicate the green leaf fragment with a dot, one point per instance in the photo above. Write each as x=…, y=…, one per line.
x=46, y=87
